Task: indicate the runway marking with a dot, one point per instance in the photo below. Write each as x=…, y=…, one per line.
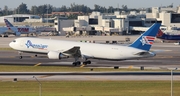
x=82, y=65
x=37, y=64
x=130, y=67
x=12, y=57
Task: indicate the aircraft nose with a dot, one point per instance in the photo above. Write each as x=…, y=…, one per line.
x=10, y=44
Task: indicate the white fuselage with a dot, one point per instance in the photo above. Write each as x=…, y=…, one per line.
x=11, y=30
x=91, y=50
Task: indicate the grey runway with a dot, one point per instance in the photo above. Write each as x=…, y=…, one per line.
x=162, y=59
x=87, y=76
x=86, y=73
x=155, y=62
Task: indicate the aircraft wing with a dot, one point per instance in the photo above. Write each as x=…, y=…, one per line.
x=75, y=52
x=6, y=32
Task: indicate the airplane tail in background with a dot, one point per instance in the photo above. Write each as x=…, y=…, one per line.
x=8, y=24
x=160, y=34
x=146, y=40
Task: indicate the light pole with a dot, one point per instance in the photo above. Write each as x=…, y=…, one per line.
x=18, y=14
x=172, y=80
x=40, y=89
x=47, y=14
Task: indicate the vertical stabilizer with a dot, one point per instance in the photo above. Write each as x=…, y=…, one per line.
x=146, y=40
x=8, y=24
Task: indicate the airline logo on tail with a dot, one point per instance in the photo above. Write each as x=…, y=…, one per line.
x=145, y=41
x=8, y=24
x=37, y=46
x=149, y=40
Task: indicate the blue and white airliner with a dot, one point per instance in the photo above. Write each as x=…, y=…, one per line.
x=56, y=49
x=17, y=31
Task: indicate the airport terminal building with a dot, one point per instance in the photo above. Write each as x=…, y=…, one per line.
x=170, y=17
x=18, y=17
x=104, y=23
x=121, y=22
x=108, y=23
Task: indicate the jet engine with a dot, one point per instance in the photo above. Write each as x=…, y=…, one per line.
x=56, y=55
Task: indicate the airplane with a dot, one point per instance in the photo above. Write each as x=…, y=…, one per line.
x=58, y=49
x=165, y=36
x=17, y=31
x=4, y=31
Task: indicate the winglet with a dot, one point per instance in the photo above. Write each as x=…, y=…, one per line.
x=8, y=24
x=146, y=40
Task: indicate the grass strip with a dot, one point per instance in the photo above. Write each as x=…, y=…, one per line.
x=8, y=68
x=89, y=88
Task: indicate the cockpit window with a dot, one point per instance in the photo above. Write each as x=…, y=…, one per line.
x=14, y=41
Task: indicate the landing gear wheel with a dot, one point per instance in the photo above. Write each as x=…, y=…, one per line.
x=5, y=35
x=20, y=57
x=87, y=62
x=76, y=63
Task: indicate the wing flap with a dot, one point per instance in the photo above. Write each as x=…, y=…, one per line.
x=75, y=51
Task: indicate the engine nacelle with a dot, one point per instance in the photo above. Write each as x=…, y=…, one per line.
x=17, y=34
x=56, y=55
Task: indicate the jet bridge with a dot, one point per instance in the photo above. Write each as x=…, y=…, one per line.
x=139, y=28
x=77, y=31
x=107, y=30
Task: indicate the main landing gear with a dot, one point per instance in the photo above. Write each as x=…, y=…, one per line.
x=20, y=57
x=79, y=63
x=87, y=62
x=76, y=63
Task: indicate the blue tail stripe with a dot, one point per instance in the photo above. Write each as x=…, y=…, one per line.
x=142, y=42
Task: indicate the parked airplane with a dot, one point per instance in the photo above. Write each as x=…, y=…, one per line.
x=165, y=36
x=4, y=31
x=17, y=31
x=56, y=49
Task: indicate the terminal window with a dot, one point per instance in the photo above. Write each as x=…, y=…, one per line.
x=20, y=19
x=175, y=18
x=135, y=23
x=93, y=21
